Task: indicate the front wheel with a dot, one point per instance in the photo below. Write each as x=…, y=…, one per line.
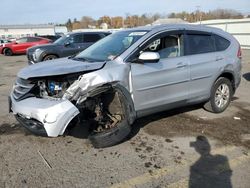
x=113, y=125
x=49, y=57
x=221, y=95
x=7, y=52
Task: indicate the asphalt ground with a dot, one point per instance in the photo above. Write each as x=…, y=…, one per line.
x=162, y=151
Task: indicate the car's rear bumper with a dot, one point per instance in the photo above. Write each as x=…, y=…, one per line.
x=44, y=116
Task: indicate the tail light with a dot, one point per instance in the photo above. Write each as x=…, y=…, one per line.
x=239, y=54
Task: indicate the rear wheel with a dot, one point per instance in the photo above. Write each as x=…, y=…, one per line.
x=49, y=57
x=221, y=95
x=7, y=52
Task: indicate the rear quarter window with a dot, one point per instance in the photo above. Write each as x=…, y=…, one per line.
x=221, y=43
x=200, y=43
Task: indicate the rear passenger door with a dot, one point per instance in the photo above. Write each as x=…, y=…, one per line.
x=203, y=63
x=74, y=45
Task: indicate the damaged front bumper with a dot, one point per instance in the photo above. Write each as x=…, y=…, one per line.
x=44, y=116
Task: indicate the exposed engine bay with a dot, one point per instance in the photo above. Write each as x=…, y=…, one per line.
x=54, y=87
x=103, y=110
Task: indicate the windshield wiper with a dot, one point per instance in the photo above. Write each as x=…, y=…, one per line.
x=72, y=56
x=79, y=58
x=87, y=59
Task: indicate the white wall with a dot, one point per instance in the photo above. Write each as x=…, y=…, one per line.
x=19, y=32
x=239, y=28
x=61, y=29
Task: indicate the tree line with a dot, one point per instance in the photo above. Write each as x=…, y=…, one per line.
x=130, y=21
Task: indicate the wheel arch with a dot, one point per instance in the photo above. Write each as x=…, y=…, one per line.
x=6, y=48
x=118, y=87
x=230, y=76
x=47, y=54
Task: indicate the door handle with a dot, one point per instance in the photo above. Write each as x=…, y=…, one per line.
x=218, y=58
x=181, y=65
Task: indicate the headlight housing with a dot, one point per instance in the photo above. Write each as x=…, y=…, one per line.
x=37, y=53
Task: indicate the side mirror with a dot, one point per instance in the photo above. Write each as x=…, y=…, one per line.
x=66, y=44
x=149, y=57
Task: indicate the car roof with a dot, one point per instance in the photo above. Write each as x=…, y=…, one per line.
x=157, y=28
x=88, y=32
x=32, y=37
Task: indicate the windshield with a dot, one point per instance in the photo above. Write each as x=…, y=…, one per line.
x=62, y=40
x=110, y=47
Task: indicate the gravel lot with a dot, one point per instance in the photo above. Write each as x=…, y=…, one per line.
x=159, y=153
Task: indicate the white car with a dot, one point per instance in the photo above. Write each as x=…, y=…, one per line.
x=127, y=75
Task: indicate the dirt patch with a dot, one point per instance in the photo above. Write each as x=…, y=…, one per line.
x=7, y=129
x=228, y=130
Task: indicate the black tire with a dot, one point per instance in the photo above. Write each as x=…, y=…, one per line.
x=110, y=137
x=115, y=135
x=49, y=57
x=7, y=52
x=211, y=105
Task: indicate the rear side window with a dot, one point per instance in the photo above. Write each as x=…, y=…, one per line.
x=221, y=43
x=200, y=43
x=32, y=39
x=78, y=38
x=91, y=37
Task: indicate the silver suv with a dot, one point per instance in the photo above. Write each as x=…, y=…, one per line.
x=129, y=74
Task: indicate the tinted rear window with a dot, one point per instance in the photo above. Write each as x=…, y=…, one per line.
x=78, y=38
x=221, y=43
x=200, y=43
x=31, y=39
x=91, y=37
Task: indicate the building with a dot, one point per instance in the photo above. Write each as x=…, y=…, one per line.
x=17, y=31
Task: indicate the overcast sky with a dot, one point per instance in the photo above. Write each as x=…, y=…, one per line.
x=58, y=11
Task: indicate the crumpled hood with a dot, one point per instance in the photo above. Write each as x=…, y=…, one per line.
x=61, y=66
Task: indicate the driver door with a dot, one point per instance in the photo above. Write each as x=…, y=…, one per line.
x=21, y=45
x=73, y=45
x=164, y=83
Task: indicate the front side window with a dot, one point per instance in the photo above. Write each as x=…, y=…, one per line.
x=21, y=40
x=111, y=46
x=167, y=46
x=200, y=43
x=63, y=40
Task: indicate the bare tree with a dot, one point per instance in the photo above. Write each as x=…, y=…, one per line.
x=87, y=22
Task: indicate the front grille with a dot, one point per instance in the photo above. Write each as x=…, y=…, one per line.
x=21, y=88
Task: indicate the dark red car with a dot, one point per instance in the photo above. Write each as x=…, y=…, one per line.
x=20, y=45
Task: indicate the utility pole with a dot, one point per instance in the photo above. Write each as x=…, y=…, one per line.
x=198, y=14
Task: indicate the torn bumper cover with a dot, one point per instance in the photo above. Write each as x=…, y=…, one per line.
x=44, y=116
